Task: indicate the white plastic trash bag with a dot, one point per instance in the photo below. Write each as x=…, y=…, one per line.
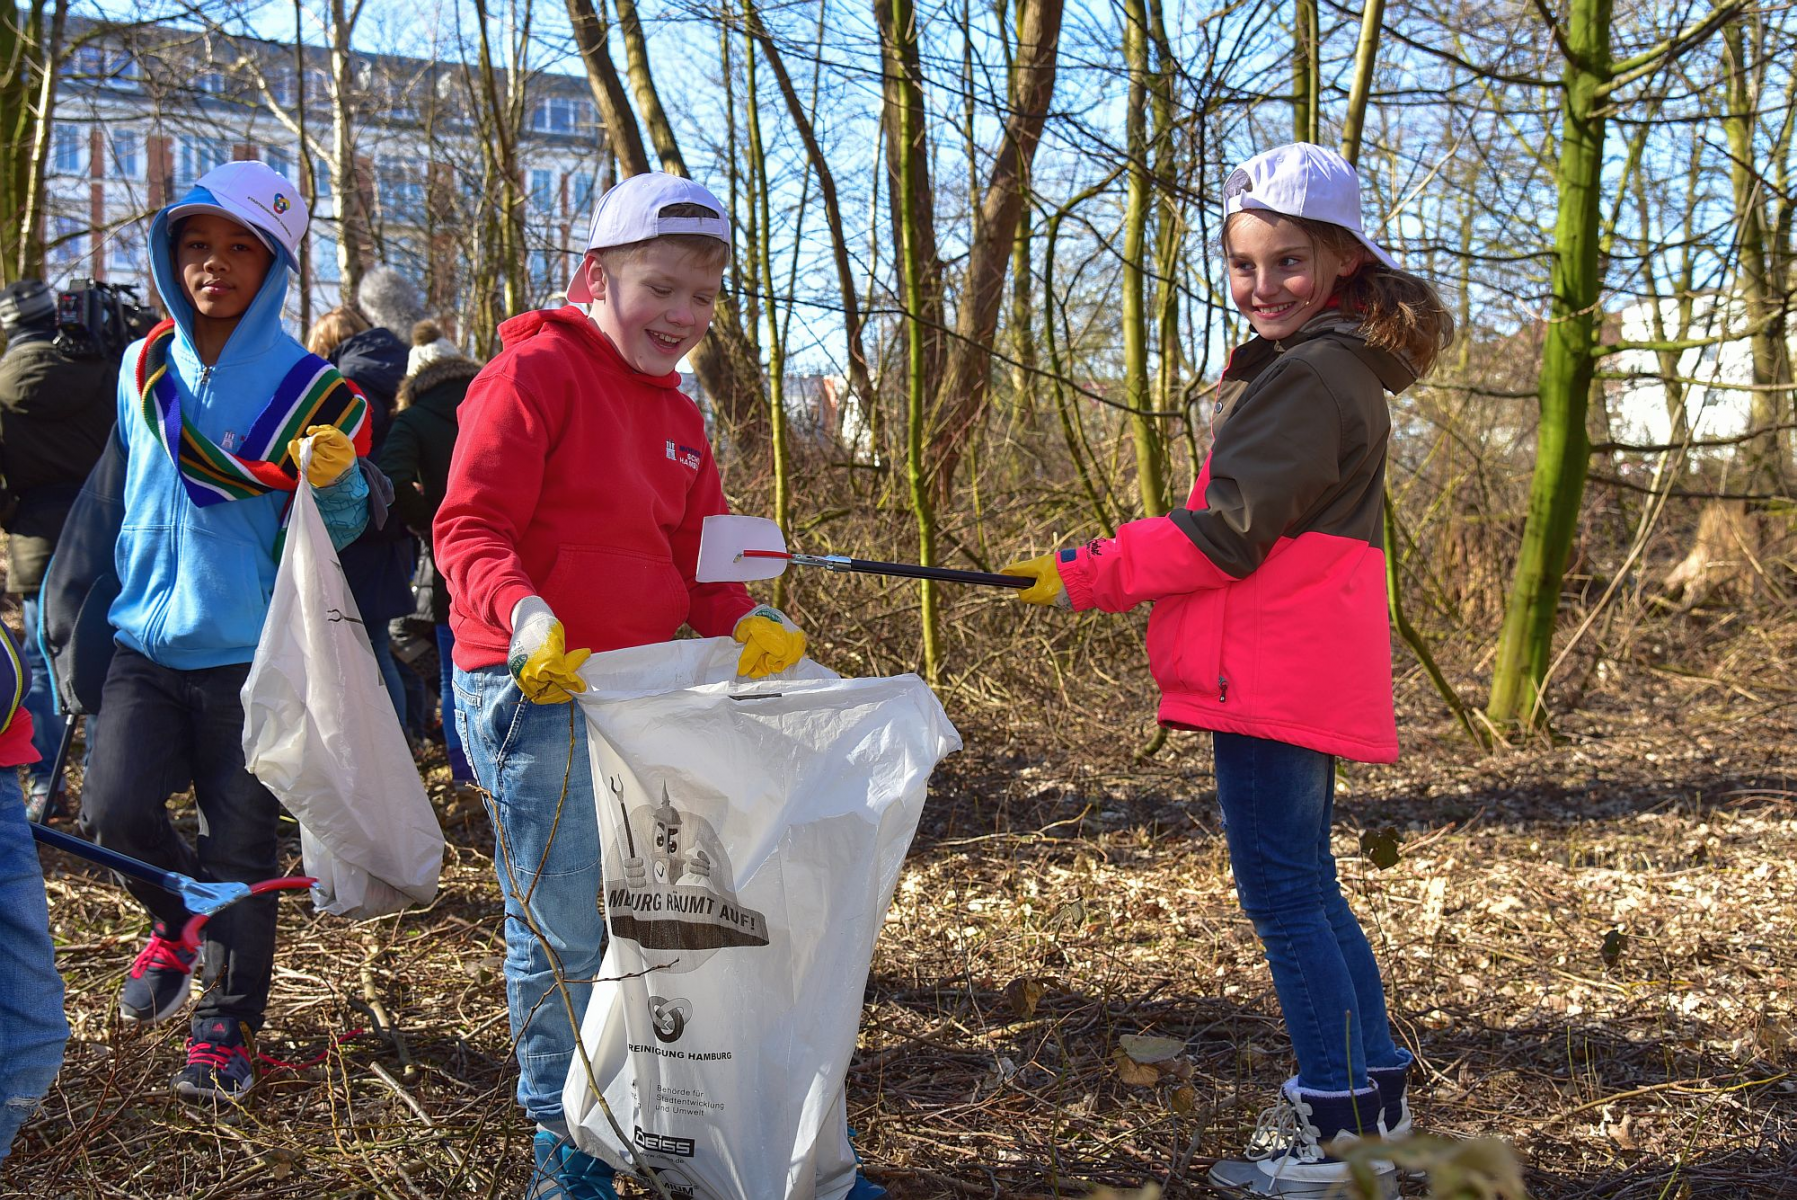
x=751, y=834
x=320, y=731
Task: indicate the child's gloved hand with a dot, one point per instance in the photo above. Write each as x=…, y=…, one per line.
x=1047, y=589
x=539, y=659
x=333, y=455
x=770, y=642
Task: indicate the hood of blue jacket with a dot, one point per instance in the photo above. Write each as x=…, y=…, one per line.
x=261, y=322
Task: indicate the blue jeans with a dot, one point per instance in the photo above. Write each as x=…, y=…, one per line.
x=546, y=855
x=32, y=1028
x=1278, y=801
x=46, y=722
x=382, y=644
x=452, y=730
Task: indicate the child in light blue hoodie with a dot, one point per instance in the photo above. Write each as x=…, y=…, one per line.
x=190, y=498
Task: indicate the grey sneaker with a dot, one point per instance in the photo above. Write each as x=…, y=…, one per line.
x=1286, y=1155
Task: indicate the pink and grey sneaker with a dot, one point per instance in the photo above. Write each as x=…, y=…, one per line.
x=160, y=977
x=220, y=1061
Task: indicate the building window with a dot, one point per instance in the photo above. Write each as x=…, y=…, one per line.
x=318, y=86
x=324, y=258
x=122, y=70
x=280, y=86
x=580, y=189
x=125, y=255
x=321, y=178
x=405, y=254
x=87, y=62
x=280, y=160
x=542, y=190
x=68, y=150
x=198, y=156
x=402, y=187
x=542, y=272
x=127, y=154
x=210, y=83
x=561, y=114
x=66, y=250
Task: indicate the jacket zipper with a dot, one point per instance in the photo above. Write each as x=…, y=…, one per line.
x=205, y=374
x=1222, y=690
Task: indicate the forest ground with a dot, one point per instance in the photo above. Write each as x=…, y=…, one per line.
x=1061, y=894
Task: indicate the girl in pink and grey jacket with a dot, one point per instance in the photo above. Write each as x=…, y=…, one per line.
x=1269, y=625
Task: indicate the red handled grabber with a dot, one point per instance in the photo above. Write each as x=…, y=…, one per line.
x=203, y=900
x=736, y=549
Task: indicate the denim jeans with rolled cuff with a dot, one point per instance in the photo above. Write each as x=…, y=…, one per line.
x=180, y=729
x=546, y=854
x=32, y=1028
x=1278, y=802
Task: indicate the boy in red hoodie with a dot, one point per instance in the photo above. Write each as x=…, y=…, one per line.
x=571, y=524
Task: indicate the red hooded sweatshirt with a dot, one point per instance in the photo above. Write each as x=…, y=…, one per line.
x=577, y=479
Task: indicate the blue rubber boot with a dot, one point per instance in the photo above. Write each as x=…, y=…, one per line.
x=564, y=1173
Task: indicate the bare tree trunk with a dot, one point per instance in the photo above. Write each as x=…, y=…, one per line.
x=1763, y=457
x=1306, y=73
x=961, y=397
x=860, y=381
x=1366, y=57
x=592, y=36
x=908, y=136
x=35, y=117
x=1151, y=450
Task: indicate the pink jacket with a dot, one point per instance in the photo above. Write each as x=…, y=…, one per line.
x=1270, y=615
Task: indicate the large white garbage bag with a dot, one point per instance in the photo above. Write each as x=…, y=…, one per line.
x=752, y=835
x=319, y=730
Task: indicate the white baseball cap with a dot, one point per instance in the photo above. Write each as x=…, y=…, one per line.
x=631, y=212
x=252, y=194
x=1301, y=180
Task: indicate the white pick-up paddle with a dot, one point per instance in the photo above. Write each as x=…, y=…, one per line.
x=736, y=549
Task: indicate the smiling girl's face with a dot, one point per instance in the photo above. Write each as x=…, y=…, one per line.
x=1278, y=276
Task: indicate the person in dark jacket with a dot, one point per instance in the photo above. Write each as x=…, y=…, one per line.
x=380, y=563
x=416, y=458
x=56, y=411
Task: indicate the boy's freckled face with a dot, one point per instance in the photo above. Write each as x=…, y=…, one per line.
x=1278, y=277
x=221, y=264
x=655, y=304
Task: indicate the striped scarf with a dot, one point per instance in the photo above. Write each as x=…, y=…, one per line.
x=313, y=393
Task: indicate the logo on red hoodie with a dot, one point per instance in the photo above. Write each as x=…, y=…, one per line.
x=686, y=456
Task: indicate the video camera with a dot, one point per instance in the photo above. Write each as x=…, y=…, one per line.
x=98, y=320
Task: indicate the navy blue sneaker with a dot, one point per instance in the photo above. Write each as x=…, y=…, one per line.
x=160, y=977
x=564, y=1173
x=220, y=1061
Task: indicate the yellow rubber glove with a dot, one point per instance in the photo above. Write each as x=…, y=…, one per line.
x=770, y=642
x=545, y=669
x=333, y=455
x=1047, y=589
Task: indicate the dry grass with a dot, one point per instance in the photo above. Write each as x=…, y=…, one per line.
x=1061, y=895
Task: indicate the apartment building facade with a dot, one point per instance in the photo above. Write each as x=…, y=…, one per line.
x=141, y=114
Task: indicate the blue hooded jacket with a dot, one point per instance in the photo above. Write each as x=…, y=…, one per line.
x=194, y=583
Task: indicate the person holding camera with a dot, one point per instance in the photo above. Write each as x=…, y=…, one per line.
x=57, y=407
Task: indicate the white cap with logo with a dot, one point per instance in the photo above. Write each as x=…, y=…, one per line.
x=252, y=194
x=631, y=212
x=1301, y=180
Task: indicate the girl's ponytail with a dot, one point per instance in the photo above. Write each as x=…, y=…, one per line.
x=1398, y=311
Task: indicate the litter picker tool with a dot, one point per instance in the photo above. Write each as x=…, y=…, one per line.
x=203, y=900
x=736, y=549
